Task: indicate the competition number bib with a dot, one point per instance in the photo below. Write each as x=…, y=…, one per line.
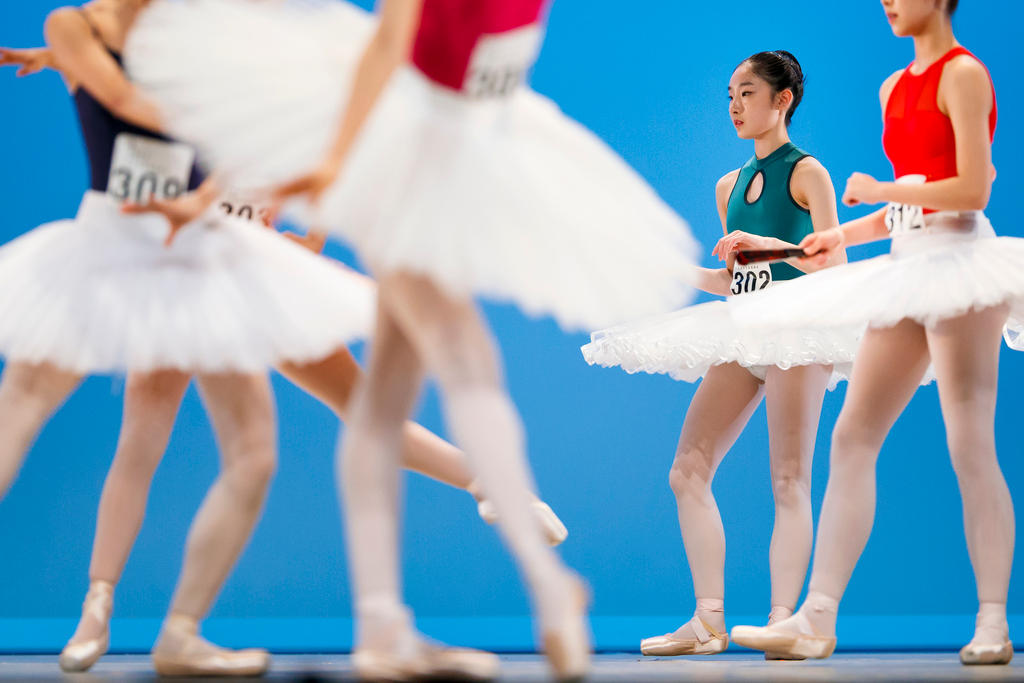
x=246, y=208
x=144, y=168
x=751, y=277
x=901, y=219
x=500, y=61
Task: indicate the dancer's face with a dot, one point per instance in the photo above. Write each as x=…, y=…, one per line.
x=910, y=17
x=753, y=107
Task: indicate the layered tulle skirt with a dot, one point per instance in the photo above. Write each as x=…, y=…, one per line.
x=101, y=293
x=504, y=197
x=687, y=343
x=952, y=266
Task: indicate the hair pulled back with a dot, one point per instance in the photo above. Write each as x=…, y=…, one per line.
x=782, y=71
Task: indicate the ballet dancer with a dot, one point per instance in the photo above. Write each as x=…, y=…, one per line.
x=450, y=178
x=941, y=297
x=774, y=201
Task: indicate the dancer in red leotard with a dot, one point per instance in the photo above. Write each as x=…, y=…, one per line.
x=941, y=297
x=450, y=178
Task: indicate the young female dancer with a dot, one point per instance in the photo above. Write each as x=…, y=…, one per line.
x=101, y=293
x=148, y=420
x=777, y=198
x=941, y=297
x=461, y=181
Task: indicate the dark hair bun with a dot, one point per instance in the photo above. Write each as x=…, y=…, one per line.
x=783, y=72
x=951, y=7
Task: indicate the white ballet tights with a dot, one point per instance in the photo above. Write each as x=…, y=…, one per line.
x=720, y=410
x=420, y=327
x=890, y=363
x=241, y=409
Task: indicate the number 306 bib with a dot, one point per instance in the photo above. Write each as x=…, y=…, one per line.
x=901, y=219
x=500, y=61
x=750, y=278
x=144, y=168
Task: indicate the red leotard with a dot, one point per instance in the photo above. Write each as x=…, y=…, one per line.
x=918, y=138
x=450, y=29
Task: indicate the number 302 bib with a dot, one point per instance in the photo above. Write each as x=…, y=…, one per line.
x=142, y=168
x=751, y=277
x=901, y=219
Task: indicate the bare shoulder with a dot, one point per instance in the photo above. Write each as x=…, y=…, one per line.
x=887, y=86
x=723, y=188
x=810, y=172
x=66, y=26
x=967, y=73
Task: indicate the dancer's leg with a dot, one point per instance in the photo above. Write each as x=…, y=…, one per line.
x=889, y=367
x=369, y=476
x=29, y=395
x=151, y=402
x=450, y=336
x=720, y=409
x=333, y=381
x=793, y=401
x=242, y=412
x=965, y=351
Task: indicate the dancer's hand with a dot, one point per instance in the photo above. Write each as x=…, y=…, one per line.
x=314, y=241
x=742, y=241
x=179, y=212
x=29, y=61
x=862, y=189
x=820, y=246
x=310, y=185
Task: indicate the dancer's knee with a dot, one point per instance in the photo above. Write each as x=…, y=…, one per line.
x=792, y=491
x=691, y=474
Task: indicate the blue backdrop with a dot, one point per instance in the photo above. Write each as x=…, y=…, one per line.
x=650, y=78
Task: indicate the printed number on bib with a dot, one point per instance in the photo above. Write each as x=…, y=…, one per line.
x=143, y=168
x=500, y=61
x=246, y=208
x=750, y=278
x=904, y=218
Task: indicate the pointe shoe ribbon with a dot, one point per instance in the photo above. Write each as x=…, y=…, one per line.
x=79, y=655
x=706, y=641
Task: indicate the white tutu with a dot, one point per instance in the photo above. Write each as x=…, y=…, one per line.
x=503, y=197
x=686, y=343
x=101, y=293
x=954, y=265
x=223, y=70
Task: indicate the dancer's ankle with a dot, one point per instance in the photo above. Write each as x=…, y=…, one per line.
x=712, y=612
x=821, y=612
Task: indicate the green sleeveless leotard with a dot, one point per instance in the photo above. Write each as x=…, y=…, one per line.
x=775, y=213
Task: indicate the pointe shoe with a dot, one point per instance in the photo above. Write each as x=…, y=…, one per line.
x=972, y=653
x=554, y=530
x=568, y=648
x=429, y=661
x=708, y=641
x=780, y=656
x=778, y=641
x=79, y=656
x=182, y=652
